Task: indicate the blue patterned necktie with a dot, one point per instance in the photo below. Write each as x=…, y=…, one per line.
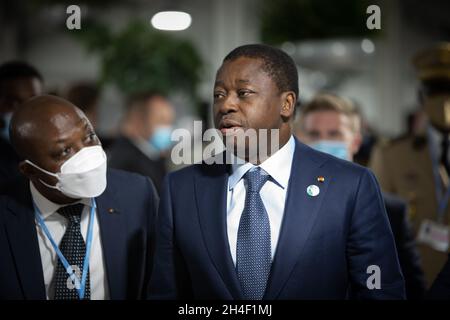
x=73, y=248
x=253, y=252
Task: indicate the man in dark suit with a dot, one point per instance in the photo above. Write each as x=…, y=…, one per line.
x=72, y=230
x=19, y=81
x=332, y=125
x=145, y=137
x=408, y=256
x=290, y=224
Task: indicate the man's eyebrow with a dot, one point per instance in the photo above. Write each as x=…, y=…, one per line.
x=220, y=82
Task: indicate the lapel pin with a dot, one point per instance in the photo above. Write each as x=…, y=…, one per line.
x=312, y=190
x=111, y=210
x=321, y=179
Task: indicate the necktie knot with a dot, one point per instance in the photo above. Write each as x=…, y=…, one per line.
x=255, y=179
x=72, y=213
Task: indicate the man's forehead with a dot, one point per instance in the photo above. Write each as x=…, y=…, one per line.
x=158, y=102
x=243, y=69
x=327, y=117
x=44, y=137
x=60, y=125
x=62, y=122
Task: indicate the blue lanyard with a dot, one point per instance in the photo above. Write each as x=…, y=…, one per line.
x=442, y=196
x=69, y=269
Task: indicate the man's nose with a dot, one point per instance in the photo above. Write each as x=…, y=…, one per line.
x=230, y=104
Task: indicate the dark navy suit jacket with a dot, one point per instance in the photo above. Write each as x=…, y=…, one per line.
x=126, y=212
x=325, y=247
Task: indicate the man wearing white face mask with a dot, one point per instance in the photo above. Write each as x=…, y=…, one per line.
x=330, y=124
x=74, y=230
x=145, y=137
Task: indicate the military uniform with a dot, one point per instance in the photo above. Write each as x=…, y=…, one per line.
x=409, y=167
x=404, y=167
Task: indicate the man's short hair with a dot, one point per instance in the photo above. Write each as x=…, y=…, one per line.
x=138, y=101
x=276, y=63
x=331, y=102
x=18, y=69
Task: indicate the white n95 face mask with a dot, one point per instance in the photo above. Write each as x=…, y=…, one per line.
x=81, y=176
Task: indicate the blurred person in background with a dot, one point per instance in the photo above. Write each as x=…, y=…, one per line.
x=332, y=125
x=19, y=81
x=145, y=137
x=86, y=95
x=416, y=122
x=417, y=168
x=369, y=139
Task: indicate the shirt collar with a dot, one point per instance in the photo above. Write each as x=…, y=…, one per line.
x=278, y=166
x=47, y=207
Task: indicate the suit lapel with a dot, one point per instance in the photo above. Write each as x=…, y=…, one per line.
x=22, y=235
x=211, y=195
x=112, y=224
x=299, y=216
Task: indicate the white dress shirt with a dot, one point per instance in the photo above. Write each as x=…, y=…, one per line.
x=57, y=225
x=273, y=194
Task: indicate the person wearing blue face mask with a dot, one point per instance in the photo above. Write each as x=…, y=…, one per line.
x=19, y=81
x=145, y=137
x=331, y=124
x=327, y=124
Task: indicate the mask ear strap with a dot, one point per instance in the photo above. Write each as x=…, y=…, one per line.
x=43, y=170
x=48, y=185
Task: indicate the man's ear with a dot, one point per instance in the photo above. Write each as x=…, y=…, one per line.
x=356, y=143
x=27, y=170
x=288, y=99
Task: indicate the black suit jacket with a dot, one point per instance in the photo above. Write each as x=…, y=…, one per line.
x=124, y=155
x=408, y=255
x=9, y=162
x=126, y=216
